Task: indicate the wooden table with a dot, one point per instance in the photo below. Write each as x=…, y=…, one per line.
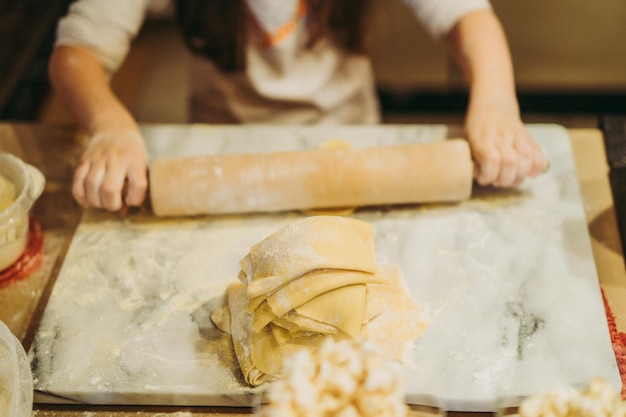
x=55, y=150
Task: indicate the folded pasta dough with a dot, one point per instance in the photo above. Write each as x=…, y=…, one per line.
x=259, y=354
x=302, y=290
x=311, y=285
x=342, y=308
x=286, y=330
x=316, y=277
x=326, y=313
x=305, y=245
x=307, y=286
x=266, y=353
x=241, y=322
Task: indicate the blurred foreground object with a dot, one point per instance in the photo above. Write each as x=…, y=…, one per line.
x=598, y=400
x=16, y=383
x=344, y=378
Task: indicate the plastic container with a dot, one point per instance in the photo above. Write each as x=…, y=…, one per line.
x=29, y=184
x=16, y=381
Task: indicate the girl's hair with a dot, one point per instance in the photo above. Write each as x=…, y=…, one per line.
x=217, y=29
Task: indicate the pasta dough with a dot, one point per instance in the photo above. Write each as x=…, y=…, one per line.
x=313, y=243
x=314, y=278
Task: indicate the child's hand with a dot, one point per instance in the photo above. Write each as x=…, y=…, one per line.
x=113, y=160
x=504, y=151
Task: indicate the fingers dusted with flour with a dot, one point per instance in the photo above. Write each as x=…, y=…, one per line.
x=112, y=171
x=503, y=149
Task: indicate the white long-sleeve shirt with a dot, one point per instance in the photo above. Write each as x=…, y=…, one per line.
x=283, y=82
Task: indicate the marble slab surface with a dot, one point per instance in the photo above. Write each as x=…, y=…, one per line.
x=508, y=279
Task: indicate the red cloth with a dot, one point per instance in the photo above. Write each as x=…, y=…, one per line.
x=30, y=260
x=619, y=344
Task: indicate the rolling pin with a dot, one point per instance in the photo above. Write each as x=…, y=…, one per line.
x=309, y=179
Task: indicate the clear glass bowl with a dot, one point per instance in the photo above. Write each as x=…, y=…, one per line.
x=16, y=381
x=29, y=184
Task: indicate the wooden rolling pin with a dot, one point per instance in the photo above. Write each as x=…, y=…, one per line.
x=319, y=178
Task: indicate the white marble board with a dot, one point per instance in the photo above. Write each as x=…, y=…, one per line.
x=508, y=279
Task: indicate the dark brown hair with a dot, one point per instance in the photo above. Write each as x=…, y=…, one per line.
x=216, y=29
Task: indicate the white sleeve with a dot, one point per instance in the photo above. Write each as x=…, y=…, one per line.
x=104, y=27
x=439, y=16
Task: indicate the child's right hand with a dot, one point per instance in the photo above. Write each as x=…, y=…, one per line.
x=114, y=163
